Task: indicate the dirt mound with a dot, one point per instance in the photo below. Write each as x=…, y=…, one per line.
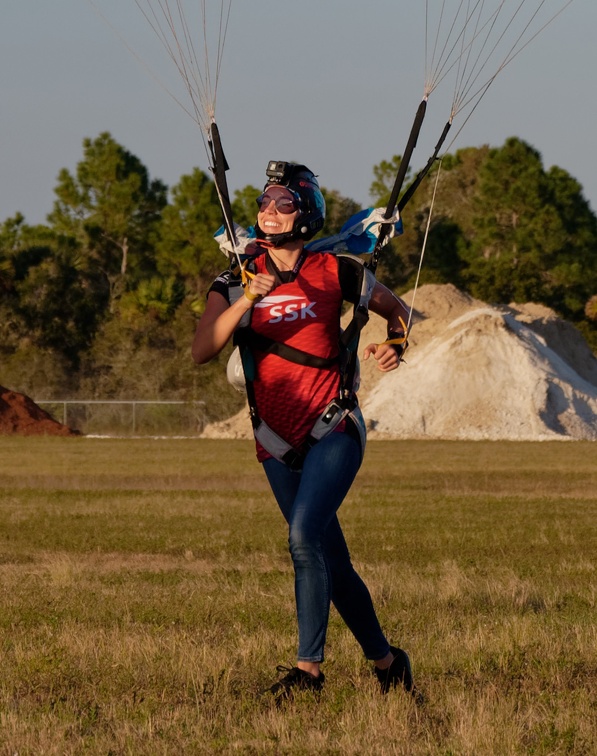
x=474, y=371
x=19, y=415
x=237, y=426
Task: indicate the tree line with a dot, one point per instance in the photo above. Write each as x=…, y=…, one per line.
x=101, y=300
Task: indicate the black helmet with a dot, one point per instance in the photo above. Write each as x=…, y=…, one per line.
x=303, y=184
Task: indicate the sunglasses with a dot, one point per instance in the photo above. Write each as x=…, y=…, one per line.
x=284, y=204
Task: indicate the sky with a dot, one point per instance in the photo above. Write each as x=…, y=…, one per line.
x=333, y=84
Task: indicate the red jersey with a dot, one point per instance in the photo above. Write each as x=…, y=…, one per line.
x=305, y=314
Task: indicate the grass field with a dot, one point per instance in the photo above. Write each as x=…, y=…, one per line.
x=147, y=598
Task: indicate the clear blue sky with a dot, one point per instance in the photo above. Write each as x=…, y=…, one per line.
x=332, y=83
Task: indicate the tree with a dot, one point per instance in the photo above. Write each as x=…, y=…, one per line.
x=338, y=209
x=157, y=297
x=591, y=308
x=400, y=259
x=49, y=299
x=244, y=206
x=21, y=246
x=185, y=244
x=11, y=325
x=572, y=279
x=384, y=178
x=534, y=234
x=61, y=302
x=501, y=228
x=111, y=208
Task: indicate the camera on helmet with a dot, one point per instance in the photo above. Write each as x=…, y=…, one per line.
x=276, y=170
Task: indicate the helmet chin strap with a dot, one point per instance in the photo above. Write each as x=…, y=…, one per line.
x=279, y=239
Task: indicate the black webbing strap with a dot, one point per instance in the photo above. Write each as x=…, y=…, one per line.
x=424, y=171
x=350, y=341
x=350, y=336
x=220, y=166
x=254, y=415
x=399, y=181
x=246, y=337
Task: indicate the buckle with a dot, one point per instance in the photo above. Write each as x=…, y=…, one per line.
x=294, y=460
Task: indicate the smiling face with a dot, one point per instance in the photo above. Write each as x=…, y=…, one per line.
x=277, y=210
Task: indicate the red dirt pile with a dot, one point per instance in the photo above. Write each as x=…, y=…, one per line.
x=20, y=416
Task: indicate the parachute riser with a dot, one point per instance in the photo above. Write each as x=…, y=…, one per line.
x=422, y=173
x=219, y=168
x=399, y=181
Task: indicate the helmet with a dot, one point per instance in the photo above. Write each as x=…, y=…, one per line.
x=303, y=184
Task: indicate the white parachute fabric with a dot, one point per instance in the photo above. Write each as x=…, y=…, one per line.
x=245, y=238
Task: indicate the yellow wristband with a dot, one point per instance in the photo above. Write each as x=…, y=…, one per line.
x=395, y=341
x=249, y=294
x=246, y=278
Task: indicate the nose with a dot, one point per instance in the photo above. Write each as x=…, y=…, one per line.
x=268, y=207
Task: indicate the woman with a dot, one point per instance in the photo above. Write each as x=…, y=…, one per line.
x=286, y=316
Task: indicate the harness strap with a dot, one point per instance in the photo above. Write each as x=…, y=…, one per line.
x=344, y=408
x=277, y=446
x=326, y=423
x=249, y=338
x=351, y=335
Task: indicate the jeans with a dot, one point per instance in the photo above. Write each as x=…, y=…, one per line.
x=309, y=500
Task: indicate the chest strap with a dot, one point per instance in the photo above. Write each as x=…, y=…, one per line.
x=247, y=337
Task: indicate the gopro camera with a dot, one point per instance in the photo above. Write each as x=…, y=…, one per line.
x=276, y=170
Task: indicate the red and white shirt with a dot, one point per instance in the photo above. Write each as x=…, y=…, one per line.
x=305, y=314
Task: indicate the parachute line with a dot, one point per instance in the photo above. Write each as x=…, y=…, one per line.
x=193, y=36
x=141, y=61
x=186, y=29
x=475, y=98
x=479, y=35
x=467, y=49
x=423, y=249
x=464, y=42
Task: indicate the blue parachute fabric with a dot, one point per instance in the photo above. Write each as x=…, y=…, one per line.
x=245, y=238
x=358, y=236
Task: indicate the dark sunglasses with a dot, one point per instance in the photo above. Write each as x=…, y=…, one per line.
x=284, y=204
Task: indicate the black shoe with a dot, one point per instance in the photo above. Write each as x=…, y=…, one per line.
x=397, y=674
x=296, y=679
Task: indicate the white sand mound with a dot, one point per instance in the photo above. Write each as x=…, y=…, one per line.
x=481, y=372
x=237, y=426
x=474, y=372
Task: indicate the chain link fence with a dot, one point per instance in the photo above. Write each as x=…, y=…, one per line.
x=129, y=418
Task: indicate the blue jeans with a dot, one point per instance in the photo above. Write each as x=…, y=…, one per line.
x=309, y=500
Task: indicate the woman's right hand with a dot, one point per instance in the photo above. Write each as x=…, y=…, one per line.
x=220, y=319
x=259, y=286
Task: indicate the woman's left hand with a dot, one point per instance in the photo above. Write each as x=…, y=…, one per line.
x=385, y=354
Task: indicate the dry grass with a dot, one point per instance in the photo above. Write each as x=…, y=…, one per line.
x=147, y=597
